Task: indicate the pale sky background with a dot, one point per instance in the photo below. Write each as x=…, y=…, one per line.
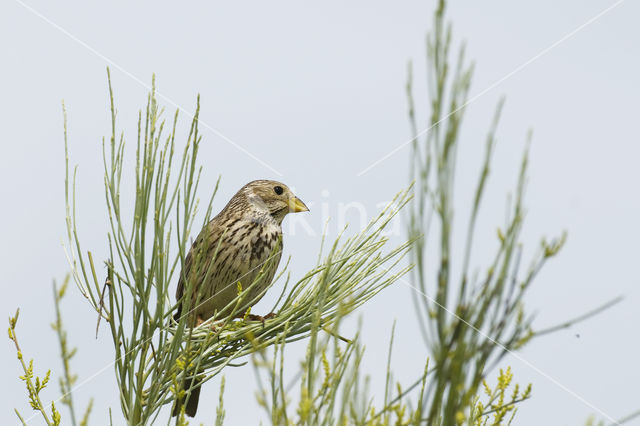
x=316, y=91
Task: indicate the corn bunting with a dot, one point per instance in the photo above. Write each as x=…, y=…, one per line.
x=242, y=244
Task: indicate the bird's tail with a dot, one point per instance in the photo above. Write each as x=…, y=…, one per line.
x=178, y=313
x=193, y=397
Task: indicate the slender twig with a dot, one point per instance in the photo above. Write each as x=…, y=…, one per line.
x=67, y=380
x=580, y=318
x=107, y=284
x=627, y=418
x=509, y=404
x=32, y=388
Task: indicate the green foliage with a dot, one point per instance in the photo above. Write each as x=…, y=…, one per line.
x=154, y=355
x=68, y=379
x=135, y=298
x=34, y=383
x=470, y=325
x=220, y=412
x=332, y=389
x=499, y=403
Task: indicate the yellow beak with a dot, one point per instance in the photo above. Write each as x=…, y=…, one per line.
x=296, y=205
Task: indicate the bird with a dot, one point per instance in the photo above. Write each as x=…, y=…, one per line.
x=240, y=245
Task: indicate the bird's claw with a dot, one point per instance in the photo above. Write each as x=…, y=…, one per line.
x=253, y=317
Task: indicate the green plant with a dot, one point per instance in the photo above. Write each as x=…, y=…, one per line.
x=35, y=385
x=471, y=324
x=68, y=379
x=155, y=355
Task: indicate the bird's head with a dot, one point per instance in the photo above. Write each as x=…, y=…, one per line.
x=272, y=197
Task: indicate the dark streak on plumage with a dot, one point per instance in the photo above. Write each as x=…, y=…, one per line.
x=241, y=244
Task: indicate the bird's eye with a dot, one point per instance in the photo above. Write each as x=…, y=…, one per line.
x=278, y=190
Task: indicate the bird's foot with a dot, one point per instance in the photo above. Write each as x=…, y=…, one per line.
x=253, y=317
x=199, y=321
x=270, y=315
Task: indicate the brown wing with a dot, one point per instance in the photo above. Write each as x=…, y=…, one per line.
x=265, y=264
x=225, y=253
x=201, y=253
